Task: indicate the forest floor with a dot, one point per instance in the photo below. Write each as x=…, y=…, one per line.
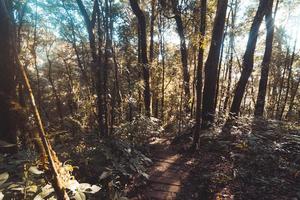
x=260, y=160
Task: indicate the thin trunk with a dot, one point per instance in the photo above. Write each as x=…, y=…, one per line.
x=282, y=84
x=154, y=100
x=221, y=60
x=231, y=52
x=293, y=95
x=184, y=54
x=288, y=82
x=162, y=53
x=199, y=73
x=54, y=91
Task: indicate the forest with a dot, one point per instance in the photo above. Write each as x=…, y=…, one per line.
x=149, y=99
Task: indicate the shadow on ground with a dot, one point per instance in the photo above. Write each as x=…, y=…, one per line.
x=259, y=160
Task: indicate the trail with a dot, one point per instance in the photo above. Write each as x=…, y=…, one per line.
x=167, y=173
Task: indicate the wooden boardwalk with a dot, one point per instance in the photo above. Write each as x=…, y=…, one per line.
x=166, y=175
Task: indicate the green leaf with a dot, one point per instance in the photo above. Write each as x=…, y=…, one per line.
x=3, y=177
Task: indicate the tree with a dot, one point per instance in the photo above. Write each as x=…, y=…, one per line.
x=97, y=60
x=290, y=66
x=262, y=90
x=248, y=58
x=184, y=53
x=143, y=53
x=8, y=124
x=231, y=52
x=199, y=73
x=211, y=65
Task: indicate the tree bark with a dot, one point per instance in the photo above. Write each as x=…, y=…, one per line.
x=143, y=52
x=54, y=90
x=96, y=64
x=211, y=65
x=231, y=51
x=262, y=90
x=293, y=95
x=199, y=73
x=248, y=57
x=184, y=55
x=290, y=66
x=8, y=125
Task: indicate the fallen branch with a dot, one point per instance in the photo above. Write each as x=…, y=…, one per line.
x=54, y=163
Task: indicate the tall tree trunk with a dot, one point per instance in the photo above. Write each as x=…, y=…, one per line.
x=161, y=29
x=211, y=65
x=293, y=95
x=199, y=73
x=54, y=91
x=96, y=64
x=154, y=96
x=143, y=52
x=8, y=125
x=221, y=60
x=231, y=47
x=248, y=57
x=281, y=84
x=288, y=82
x=262, y=90
x=184, y=54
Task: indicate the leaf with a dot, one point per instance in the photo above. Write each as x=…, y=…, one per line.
x=3, y=177
x=84, y=186
x=46, y=190
x=79, y=196
x=145, y=175
x=32, y=189
x=104, y=175
x=88, y=188
x=95, y=189
x=72, y=185
x=35, y=170
x=1, y=195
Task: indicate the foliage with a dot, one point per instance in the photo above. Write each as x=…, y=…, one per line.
x=31, y=183
x=140, y=129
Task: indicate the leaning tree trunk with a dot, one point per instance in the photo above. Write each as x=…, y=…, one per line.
x=248, y=57
x=143, y=53
x=262, y=90
x=211, y=65
x=199, y=73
